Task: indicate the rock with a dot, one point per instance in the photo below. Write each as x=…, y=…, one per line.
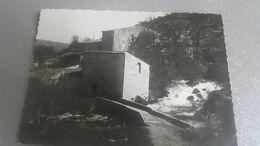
x=152, y=100
x=217, y=112
x=196, y=91
x=141, y=100
x=199, y=96
x=190, y=98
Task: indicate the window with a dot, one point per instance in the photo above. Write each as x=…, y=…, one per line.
x=139, y=67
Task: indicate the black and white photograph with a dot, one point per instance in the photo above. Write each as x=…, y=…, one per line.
x=128, y=78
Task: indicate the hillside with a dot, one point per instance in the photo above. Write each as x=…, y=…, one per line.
x=189, y=47
x=189, y=72
x=58, y=46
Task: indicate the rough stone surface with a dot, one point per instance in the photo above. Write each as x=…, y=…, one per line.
x=195, y=91
x=190, y=98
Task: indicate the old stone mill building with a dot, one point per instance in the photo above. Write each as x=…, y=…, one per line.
x=107, y=69
x=112, y=74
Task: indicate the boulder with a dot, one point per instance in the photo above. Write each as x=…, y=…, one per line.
x=217, y=112
x=199, y=96
x=196, y=91
x=190, y=98
x=141, y=100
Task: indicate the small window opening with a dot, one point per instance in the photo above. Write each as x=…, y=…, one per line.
x=139, y=67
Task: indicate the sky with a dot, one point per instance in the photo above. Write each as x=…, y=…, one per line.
x=61, y=25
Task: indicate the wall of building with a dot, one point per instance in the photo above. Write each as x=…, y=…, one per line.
x=102, y=74
x=123, y=36
x=135, y=83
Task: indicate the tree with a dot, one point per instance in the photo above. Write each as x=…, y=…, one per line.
x=87, y=39
x=42, y=53
x=75, y=40
x=182, y=46
x=73, y=45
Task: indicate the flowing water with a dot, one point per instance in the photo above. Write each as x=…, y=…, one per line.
x=184, y=96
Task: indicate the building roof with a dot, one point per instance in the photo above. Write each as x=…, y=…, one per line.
x=137, y=25
x=115, y=52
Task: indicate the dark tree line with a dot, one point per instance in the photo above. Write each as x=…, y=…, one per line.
x=42, y=53
x=182, y=46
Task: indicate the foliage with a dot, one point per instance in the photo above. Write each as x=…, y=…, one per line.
x=49, y=92
x=182, y=46
x=73, y=45
x=75, y=40
x=42, y=53
x=87, y=39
